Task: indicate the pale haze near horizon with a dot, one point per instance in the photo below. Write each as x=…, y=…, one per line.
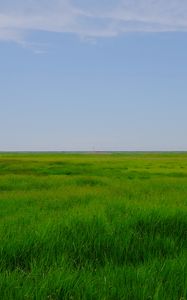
x=97, y=75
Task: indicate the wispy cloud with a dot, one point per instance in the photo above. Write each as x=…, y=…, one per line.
x=90, y=19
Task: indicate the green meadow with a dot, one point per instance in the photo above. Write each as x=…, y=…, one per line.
x=93, y=226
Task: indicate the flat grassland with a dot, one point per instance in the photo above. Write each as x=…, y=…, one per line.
x=93, y=226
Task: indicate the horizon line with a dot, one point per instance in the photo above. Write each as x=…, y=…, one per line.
x=92, y=151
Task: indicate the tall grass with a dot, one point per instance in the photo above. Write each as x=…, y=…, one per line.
x=110, y=226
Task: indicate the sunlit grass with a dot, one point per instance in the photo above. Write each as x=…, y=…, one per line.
x=110, y=226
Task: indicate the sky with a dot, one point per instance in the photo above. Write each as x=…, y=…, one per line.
x=79, y=75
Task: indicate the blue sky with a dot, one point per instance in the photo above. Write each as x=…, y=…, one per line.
x=93, y=75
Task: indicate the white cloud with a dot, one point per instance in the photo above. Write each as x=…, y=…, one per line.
x=90, y=19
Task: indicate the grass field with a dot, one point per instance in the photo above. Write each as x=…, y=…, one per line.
x=93, y=226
